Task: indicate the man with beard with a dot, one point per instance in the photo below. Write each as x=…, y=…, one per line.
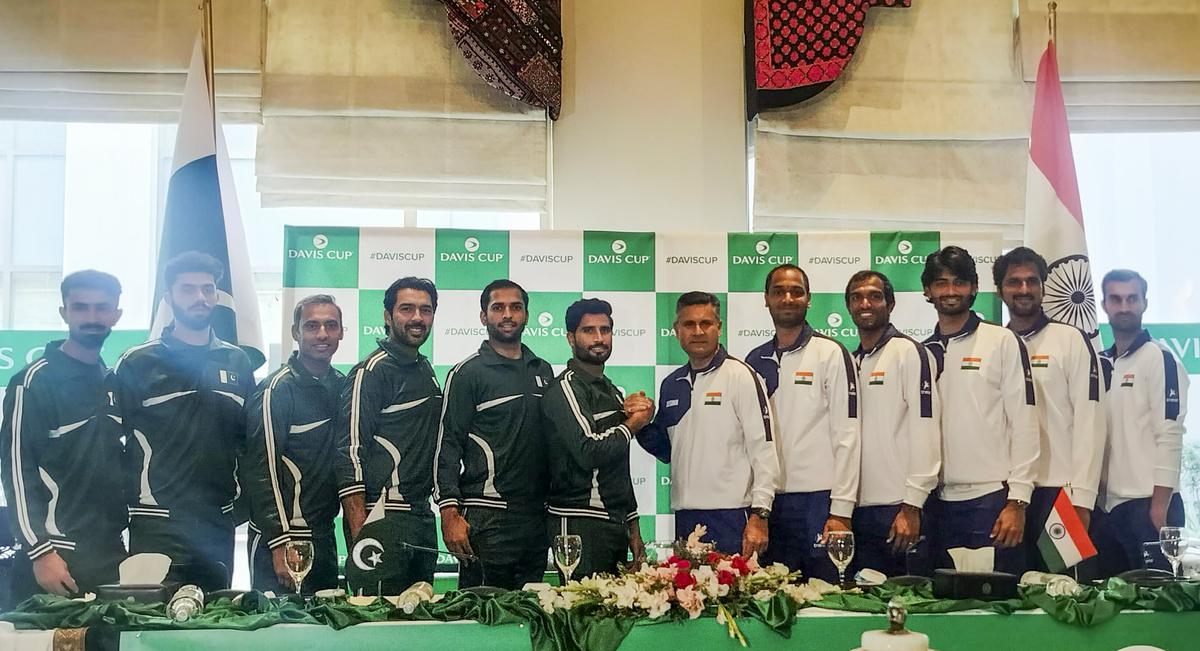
x=1147, y=404
x=1066, y=375
x=588, y=429
x=901, y=442
x=61, y=453
x=715, y=428
x=491, y=462
x=989, y=420
x=181, y=398
x=390, y=410
x=288, y=466
x=812, y=385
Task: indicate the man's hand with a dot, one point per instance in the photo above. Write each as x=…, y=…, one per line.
x=52, y=574
x=835, y=523
x=906, y=529
x=456, y=531
x=1159, y=501
x=636, y=420
x=281, y=570
x=754, y=536
x=1085, y=516
x=636, y=546
x=1010, y=526
x=354, y=510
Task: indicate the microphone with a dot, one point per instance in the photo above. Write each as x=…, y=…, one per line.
x=432, y=550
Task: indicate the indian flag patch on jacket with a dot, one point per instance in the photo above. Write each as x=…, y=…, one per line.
x=877, y=378
x=712, y=398
x=1064, y=542
x=971, y=363
x=1127, y=381
x=1040, y=361
x=803, y=377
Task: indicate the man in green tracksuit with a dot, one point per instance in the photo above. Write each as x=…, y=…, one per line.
x=588, y=428
x=491, y=460
x=389, y=424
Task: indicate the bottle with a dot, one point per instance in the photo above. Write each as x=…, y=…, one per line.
x=413, y=596
x=188, y=601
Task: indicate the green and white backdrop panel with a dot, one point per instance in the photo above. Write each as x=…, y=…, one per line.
x=641, y=274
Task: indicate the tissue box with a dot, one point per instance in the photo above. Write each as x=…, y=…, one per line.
x=986, y=586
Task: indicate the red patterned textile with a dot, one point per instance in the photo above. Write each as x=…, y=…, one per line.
x=514, y=45
x=800, y=46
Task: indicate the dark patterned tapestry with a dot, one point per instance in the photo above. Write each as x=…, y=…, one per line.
x=514, y=45
x=796, y=48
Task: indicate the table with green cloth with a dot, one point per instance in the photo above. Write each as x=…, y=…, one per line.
x=1112, y=616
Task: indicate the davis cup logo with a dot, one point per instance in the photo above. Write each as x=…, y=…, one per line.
x=904, y=247
x=763, y=247
x=471, y=244
x=545, y=319
x=834, y=320
x=320, y=241
x=618, y=246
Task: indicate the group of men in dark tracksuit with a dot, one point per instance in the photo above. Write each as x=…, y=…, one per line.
x=963, y=440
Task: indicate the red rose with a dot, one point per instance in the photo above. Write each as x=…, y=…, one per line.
x=713, y=557
x=683, y=579
x=739, y=564
x=724, y=577
x=681, y=563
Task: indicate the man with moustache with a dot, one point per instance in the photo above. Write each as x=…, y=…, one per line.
x=716, y=429
x=287, y=470
x=1066, y=375
x=390, y=409
x=181, y=398
x=812, y=385
x=901, y=439
x=989, y=420
x=588, y=429
x=61, y=452
x=491, y=470
x=1147, y=404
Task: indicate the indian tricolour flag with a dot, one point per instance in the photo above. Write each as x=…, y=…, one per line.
x=1064, y=542
x=1053, y=212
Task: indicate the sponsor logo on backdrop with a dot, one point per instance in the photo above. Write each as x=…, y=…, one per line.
x=903, y=255
x=834, y=320
x=629, y=332
x=546, y=258
x=470, y=253
x=467, y=332
x=762, y=247
x=618, y=261
x=406, y=256
x=835, y=259
x=756, y=332
x=752, y=255
x=690, y=259
x=762, y=250
x=619, y=255
x=320, y=241
x=320, y=250
x=320, y=257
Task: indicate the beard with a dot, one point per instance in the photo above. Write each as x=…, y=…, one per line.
x=92, y=337
x=514, y=337
x=189, y=320
x=958, y=307
x=594, y=355
x=1022, y=309
x=409, y=334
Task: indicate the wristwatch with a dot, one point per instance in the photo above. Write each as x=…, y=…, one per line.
x=1020, y=503
x=761, y=512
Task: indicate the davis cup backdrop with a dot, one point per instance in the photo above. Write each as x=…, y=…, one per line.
x=641, y=274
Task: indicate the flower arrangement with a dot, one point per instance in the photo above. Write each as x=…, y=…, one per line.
x=694, y=579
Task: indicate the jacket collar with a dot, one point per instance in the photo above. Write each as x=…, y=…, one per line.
x=888, y=333
x=303, y=375
x=1039, y=324
x=490, y=356
x=1142, y=339
x=717, y=360
x=584, y=374
x=968, y=329
x=773, y=351
x=169, y=340
x=402, y=354
x=54, y=354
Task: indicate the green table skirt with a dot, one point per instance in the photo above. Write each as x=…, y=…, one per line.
x=1032, y=631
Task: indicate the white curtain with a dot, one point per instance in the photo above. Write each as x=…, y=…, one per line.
x=122, y=60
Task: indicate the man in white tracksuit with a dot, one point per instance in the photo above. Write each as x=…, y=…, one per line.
x=1147, y=404
x=989, y=421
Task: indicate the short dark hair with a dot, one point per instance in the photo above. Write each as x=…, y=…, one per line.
x=1123, y=276
x=889, y=292
x=409, y=282
x=315, y=299
x=1019, y=256
x=90, y=279
x=787, y=266
x=192, y=261
x=698, y=298
x=501, y=283
x=585, y=306
x=954, y=259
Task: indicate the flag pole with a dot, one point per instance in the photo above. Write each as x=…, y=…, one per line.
x=206, y=30
x=1052, y=20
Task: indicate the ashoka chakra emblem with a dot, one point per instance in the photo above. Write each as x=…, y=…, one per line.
x=1057, y=531
x=1069, y=297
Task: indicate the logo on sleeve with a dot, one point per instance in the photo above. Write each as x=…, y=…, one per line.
x=971, y=363
x=877, y=378
x=1040, y=361
x=228, y=377
x=1127, y=381
x=713, y=398
x=803, y=377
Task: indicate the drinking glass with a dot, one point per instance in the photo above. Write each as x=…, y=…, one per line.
x=1173, y=545
x=567, y=551
x=840, y=547
x=298, y=555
